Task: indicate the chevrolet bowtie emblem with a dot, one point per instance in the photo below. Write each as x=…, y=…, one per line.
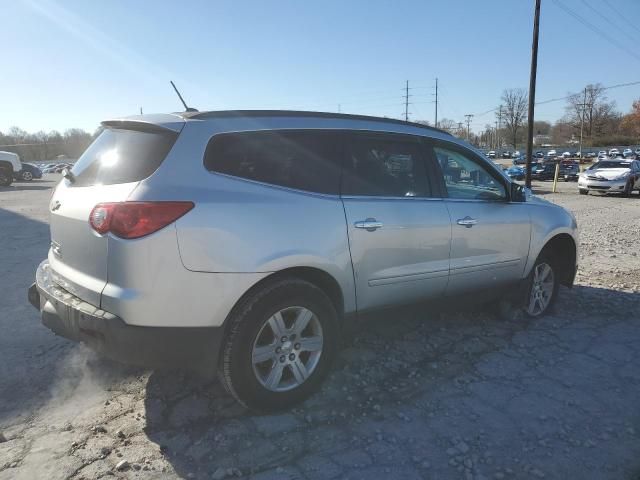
x=55, y=205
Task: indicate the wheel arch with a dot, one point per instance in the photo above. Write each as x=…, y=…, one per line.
x=316, y=276
x=5, y=164
x=563, y=248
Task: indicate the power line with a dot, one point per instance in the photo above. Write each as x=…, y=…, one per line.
x=557, y=99
x=597, y=30
x=610, y=22
x=622, y=16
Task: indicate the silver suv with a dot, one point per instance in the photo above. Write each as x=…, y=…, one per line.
x=241, y=241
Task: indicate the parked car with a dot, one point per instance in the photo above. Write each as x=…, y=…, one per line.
x=627, y=153
x=515, y=173
x=569, y=171
x=519, y=160
x=551, y=154
x=546, y=171
x=29, y=172
x=539, y=154
x=242, y=241
x=637, y=152
x=506, y=154
x=590, y=155
x=611, y=176
x=491, y=154
x=566, y=155
x=9, y=165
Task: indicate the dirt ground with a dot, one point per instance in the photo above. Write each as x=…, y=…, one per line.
x=417, y=394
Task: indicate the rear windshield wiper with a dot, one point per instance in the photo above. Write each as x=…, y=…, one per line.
x=68, y=174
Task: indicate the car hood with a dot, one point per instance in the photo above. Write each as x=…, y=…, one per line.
x=608, y=173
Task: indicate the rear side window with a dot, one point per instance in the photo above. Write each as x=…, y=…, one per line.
x=305, y=160
x=122, y=156
x=385, y=165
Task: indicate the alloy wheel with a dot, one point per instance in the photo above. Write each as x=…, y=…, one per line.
x=287, y=349
x=541, y=289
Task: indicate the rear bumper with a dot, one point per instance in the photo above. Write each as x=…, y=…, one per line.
x=194, y=348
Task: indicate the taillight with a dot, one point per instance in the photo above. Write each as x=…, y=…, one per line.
x=135, y=219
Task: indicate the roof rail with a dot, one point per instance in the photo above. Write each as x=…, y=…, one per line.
x=301, y=113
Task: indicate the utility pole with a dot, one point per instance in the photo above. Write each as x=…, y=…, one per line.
x=495, y=138
x=468, y=117
x=499, y=127
x=532, y=91
x=436, y=102
x=141, y=111
x=406, y=103
x=584, y=107
x=339, y=109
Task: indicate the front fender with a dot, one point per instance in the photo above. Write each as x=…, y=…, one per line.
x=548, y=221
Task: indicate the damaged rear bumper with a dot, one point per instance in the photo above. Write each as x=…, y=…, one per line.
x=194, y=348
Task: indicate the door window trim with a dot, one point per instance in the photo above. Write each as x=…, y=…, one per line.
x=433, y=143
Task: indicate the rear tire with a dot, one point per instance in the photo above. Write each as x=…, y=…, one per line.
x=280, y=344
x=27, y=176
x=583, y=192
x=6, y=178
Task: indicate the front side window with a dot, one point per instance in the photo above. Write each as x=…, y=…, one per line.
x=466, y=178
x=305, y=160
x=384, y=165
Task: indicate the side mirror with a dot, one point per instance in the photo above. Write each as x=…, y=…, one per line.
x=518, y=193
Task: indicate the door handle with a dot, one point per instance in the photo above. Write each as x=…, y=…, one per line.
x=467, y=221
x=370, y=224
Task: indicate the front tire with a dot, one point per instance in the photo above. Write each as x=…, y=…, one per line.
x=583, y=192
x=280, y=345
x=27, y=176
x=542, y=286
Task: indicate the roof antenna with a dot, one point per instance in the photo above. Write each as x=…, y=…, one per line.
x=187, y=109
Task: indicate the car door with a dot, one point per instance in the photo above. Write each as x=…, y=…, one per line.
x=399, y=232
x=490, y=234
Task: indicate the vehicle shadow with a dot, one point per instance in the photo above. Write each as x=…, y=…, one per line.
x=27, y=350
x=395, y=359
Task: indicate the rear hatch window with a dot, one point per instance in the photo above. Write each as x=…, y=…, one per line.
x=122, y=156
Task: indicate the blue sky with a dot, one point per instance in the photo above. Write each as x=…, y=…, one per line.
x=73, y=63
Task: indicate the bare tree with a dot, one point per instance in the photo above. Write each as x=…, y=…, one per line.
x=600, y=115
x=514, y=112
x=448, y=125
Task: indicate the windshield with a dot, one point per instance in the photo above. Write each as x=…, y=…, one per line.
x=610, y=164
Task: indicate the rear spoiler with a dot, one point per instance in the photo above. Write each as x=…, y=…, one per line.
x=144, y=126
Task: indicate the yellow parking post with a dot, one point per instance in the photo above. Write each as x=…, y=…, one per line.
x=555, y=177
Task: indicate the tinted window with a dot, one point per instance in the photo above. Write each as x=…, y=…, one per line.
x=121, y=156
x=467, y=178
x=305, y=160
x=384, y=165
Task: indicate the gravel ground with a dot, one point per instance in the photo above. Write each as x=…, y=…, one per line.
x=417, y=394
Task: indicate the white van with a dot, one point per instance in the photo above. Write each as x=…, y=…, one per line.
x=9, y=164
